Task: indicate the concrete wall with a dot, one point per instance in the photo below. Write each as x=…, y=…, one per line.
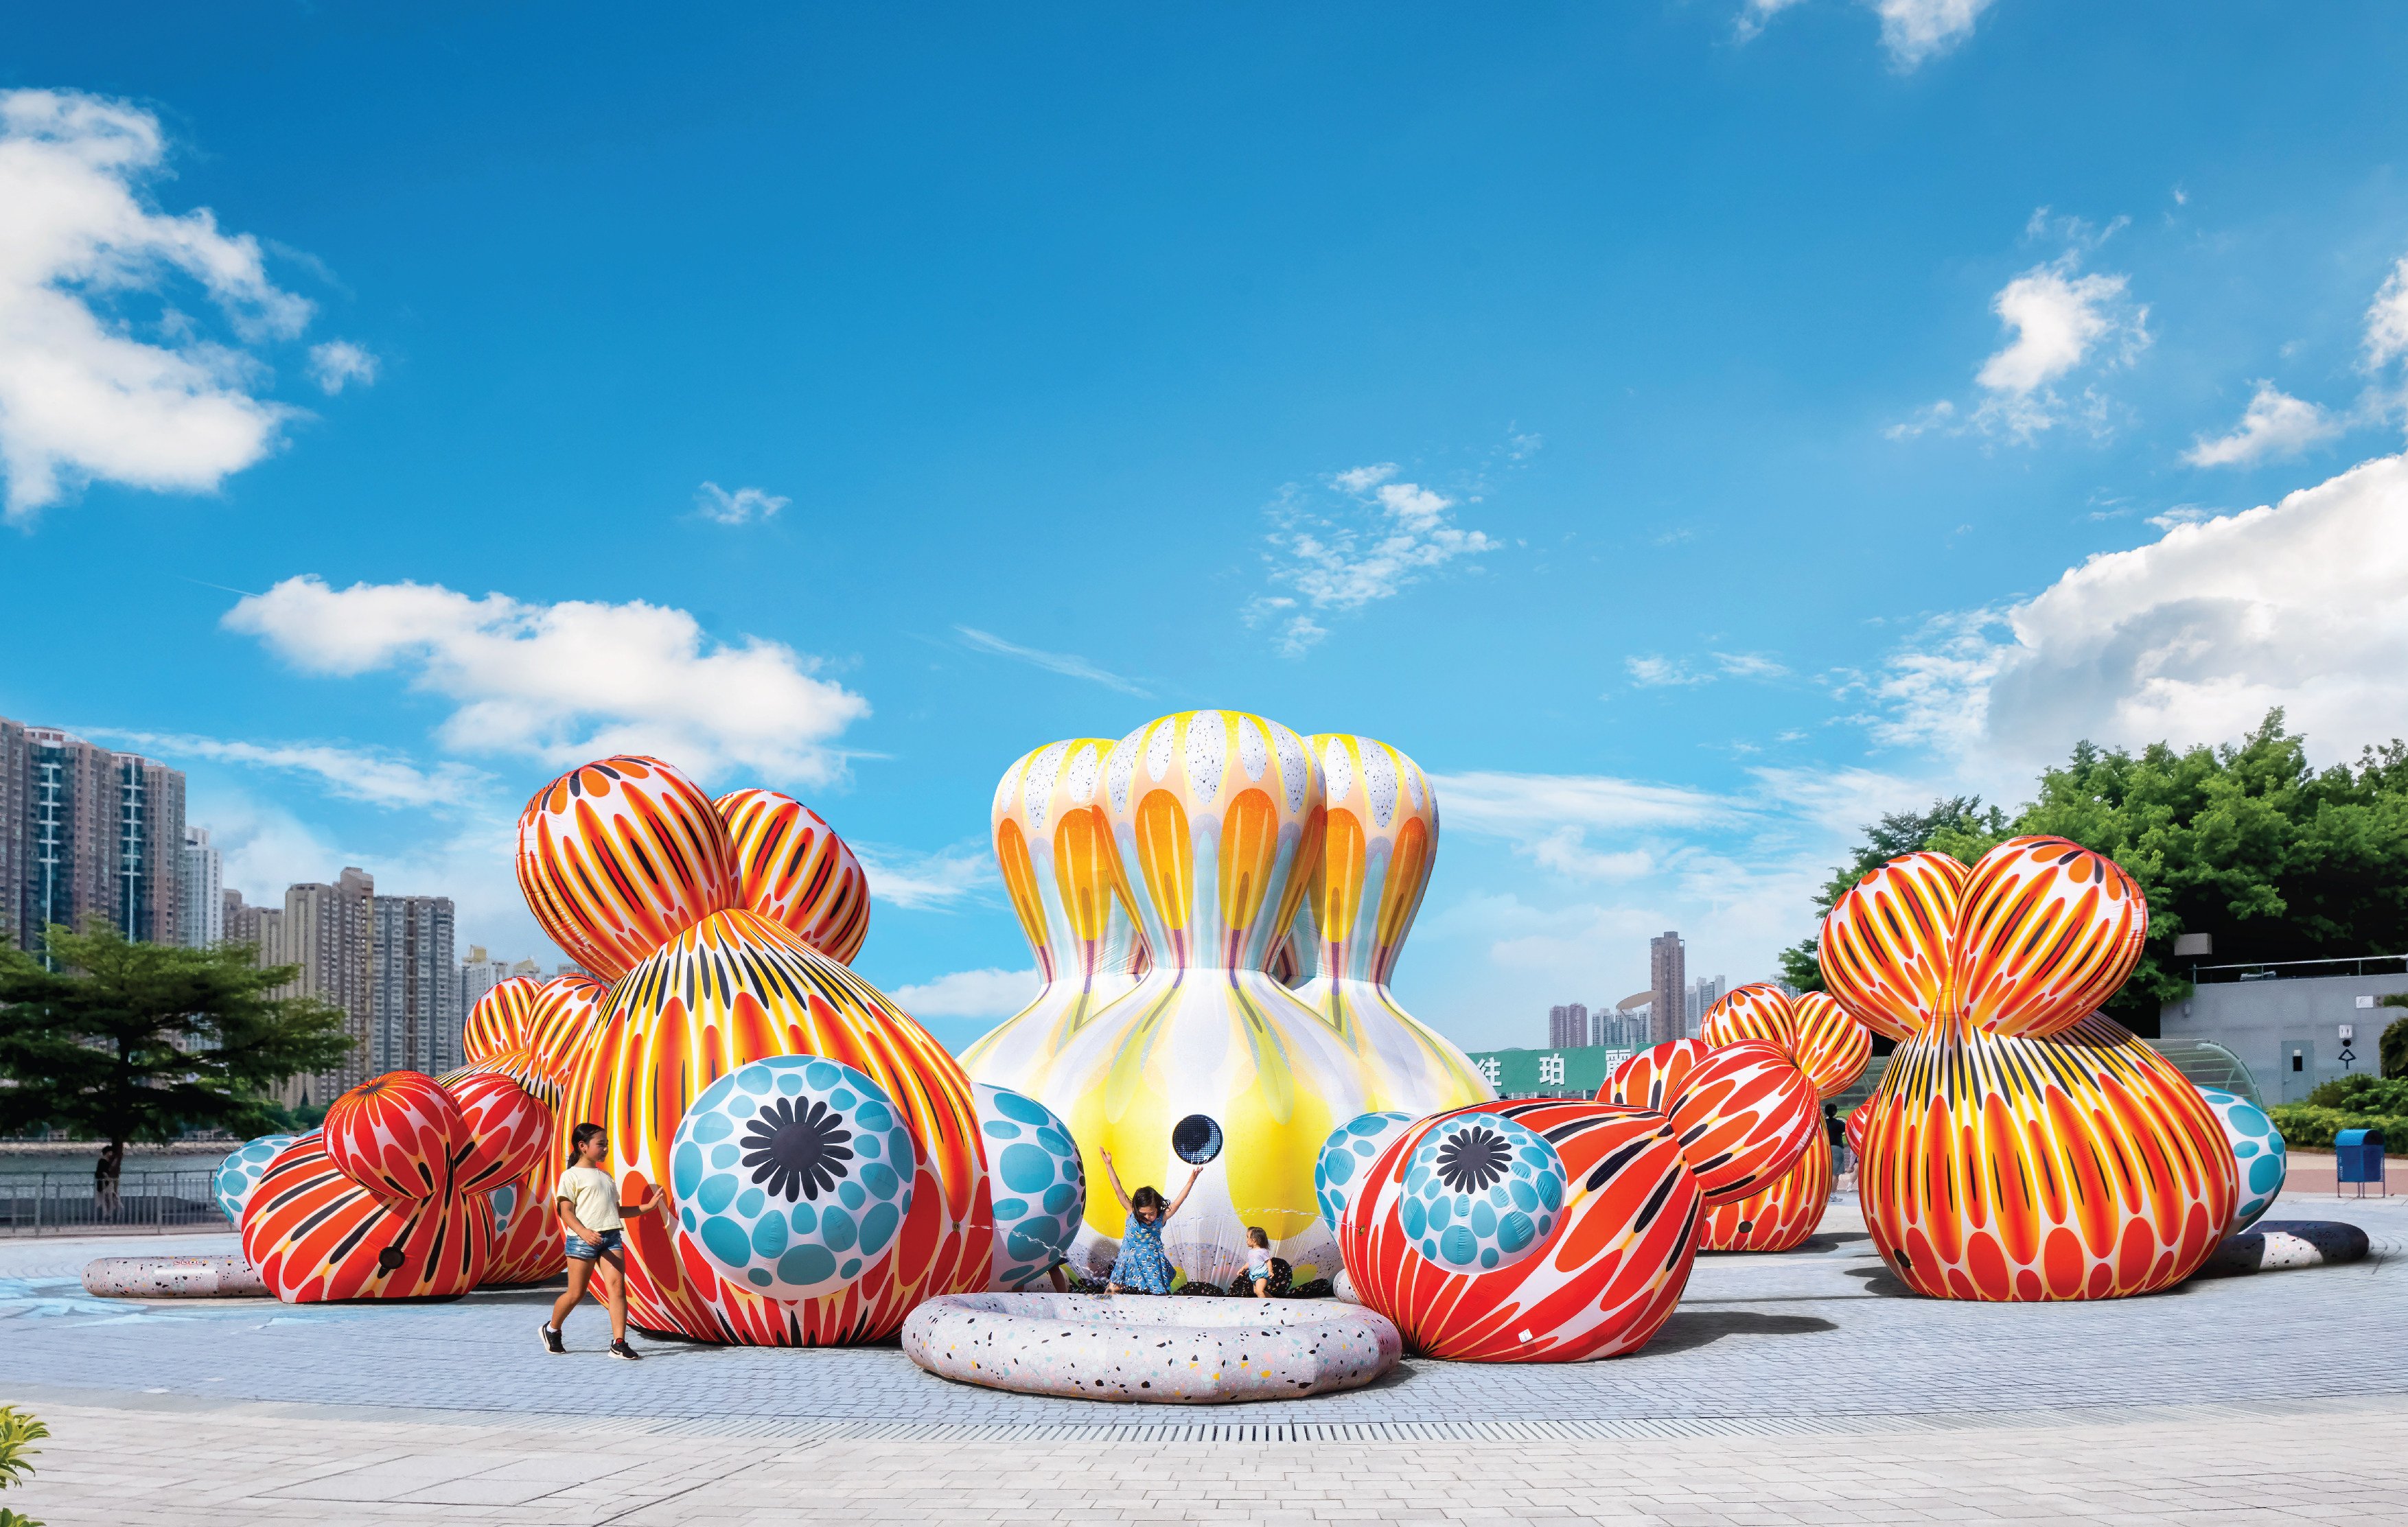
x=2267, y=1022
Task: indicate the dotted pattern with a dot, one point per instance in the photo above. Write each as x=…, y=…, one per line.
x=2257, y=1151
x=792, y=1175
x=1040, y=1186
x=1346, y=1158
x=1481, y=1193
x=239, y=1173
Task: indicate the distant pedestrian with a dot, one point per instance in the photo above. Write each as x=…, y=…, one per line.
x=587, y=1202
x=1844, y=1161
x=1140, y=1268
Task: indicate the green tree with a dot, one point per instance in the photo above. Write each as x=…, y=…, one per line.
x=1960, y=825
x=2245, y=842
x=125, y=1041
x=2392, y=1050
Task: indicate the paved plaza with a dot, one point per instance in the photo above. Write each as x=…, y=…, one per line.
x=1808, y=1387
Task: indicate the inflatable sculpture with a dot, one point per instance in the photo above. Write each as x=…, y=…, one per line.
x=1552, y=1231
x=827, y=1162
x=1208, y=827
x=2021, y=1145
x=1054, y=842
x=1831, y=1048
x=238, y=1175
x=2260, y=1158
x=389, y=1199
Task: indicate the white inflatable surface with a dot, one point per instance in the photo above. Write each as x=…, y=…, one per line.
x=172, y=1277
x=1160, y=1350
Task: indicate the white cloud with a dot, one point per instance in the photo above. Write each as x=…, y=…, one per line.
x=971, y=993
x=2191, y=639
x=1752, y=16
x=923, y=881
x=1750, y=665
x=741, y=508
x=2059, y=322
x=2275, y=424
x=1916, y=30
x=1654, y=671
x=337, y=362
x=2387, y=321
x=82, y=397
x=1380, y=539
x=358, y=774
x=1066, y=664
x=1535, y=804
x=566, y=683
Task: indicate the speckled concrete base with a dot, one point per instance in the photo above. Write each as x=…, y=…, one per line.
x=1153, y=1351
x=171, y=1277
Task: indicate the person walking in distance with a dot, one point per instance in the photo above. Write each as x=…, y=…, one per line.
x=587, y=1201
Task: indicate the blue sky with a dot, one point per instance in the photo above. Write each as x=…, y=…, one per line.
x=1688, y=429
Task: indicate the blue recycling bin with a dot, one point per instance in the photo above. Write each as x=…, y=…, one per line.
x=2358, y=1157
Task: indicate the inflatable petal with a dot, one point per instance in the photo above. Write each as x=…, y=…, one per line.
x=315, y=1234
x=566, y=1018
x=1482, y=1192
x=1886, y=946
x=797, y=871
x=1040, y=1186
x=397, y=1135
x=1347, y=1158
x=618, y=857
x=2046, y=933
x=1655, y=1078
x=240, y=1172
x=1743, y=1117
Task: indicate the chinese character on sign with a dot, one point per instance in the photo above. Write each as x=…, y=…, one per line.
x=1551, y=1071
x=1491, y=1070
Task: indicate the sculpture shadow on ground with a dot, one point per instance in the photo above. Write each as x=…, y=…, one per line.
x=1690, y=1329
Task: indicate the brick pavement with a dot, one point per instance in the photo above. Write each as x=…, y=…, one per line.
x=1822, y=1393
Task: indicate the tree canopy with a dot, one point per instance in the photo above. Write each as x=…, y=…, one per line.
x=140, y=1042
x=2246, y=842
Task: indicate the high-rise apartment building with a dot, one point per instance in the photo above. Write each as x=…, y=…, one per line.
x=203, y=893
x=330, y=932
x=1703, y=993
x=87, y=833
x=479, y=973
x=1668, y=979
x=415, y=1011
x=1567, y=1026
x=1622, y=1027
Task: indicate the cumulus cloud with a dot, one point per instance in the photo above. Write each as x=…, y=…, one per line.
x=2387, y=321
x=375, y=775
x=1066, y=664
x=2060, y=321
x=566, y=683
x=1373, y=540
x=971, y=993
x=741, y=508
x=2191, y=639
x=2274, y=425
x=86, y=264
x=337, y=364
x=1914, y=30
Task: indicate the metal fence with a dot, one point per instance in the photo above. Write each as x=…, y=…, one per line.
x=54, y=1202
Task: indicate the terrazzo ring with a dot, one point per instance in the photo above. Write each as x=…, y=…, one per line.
x=1151, y=1351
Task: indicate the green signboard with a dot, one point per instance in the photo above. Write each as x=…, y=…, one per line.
x=1578, y=1071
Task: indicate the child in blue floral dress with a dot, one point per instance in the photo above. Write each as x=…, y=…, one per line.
x=1141, y=1267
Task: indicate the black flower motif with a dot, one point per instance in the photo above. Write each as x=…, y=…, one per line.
x=797, y=1153
x=1471, y=1160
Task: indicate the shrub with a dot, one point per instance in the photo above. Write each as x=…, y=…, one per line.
x=2311, y=1126
x=19, y=1430
x=2362, y=1092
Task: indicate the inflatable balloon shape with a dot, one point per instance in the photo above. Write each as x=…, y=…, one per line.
x=1040, y=1193
x=2259, y=1155
x=1831, y=1048
x=1062, y=869
x=564, y=1022
x=1376, y=856
x=705, y=923
x=1555, y=1231
x=541, y=1028
x=2021, y=1145
x=391, y=1199
x=502, y=1018
x=240, y=1172
x=1217, y=820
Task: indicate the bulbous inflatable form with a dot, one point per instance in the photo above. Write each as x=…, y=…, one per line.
x=2021, y=1145
x=703, y=916
x=1062, y=868
x=2261, y=1157
x=392, y=1199
x=502, y=1018
x=1217, y=820
x=1599, y=1273
x=240, y=1172
x=1831, y=1048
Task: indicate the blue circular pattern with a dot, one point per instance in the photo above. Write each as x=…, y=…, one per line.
x=1040, y=1186
x=239, y=1173
x=1481, y=1193
x=792, y=1175
x=2257, y=1150
x=1346, y=1158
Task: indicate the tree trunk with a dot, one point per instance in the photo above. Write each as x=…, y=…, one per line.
x=103, y=1178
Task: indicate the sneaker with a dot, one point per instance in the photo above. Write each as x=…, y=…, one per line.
x=621, y=1349
x=552, y=1340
